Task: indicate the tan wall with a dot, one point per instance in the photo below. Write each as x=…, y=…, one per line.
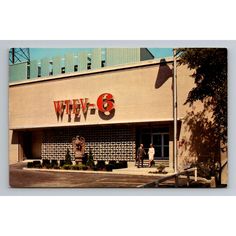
x=13, y=147
x=136, y=94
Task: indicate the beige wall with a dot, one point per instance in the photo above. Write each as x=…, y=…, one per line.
x=141, y=94
x=13, y=147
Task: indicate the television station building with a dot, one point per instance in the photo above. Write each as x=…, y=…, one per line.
x=116, y=98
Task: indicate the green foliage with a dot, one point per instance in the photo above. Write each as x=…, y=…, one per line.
x=90, y=161
x=109, y=167
x=118, y=165
x=54, y=164
x=210, y=75
x=46, y=163
x=62, y=163
x=75, y=167
x=30, y=165
x=79, y=167
x=85, y=159
x=34, y=164
x=207, y=168
x=67, y=167
x=68, y=159
x=161, y=168
x=101, y=165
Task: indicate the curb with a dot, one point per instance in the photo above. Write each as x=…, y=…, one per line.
x=89, y=172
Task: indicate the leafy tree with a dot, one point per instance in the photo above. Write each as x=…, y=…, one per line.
x=210, y=75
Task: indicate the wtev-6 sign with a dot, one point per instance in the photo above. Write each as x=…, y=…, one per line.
x=76, y=107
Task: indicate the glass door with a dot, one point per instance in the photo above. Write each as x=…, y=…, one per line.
x=160, y=142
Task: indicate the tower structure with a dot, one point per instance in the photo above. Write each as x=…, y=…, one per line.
x=17, y=55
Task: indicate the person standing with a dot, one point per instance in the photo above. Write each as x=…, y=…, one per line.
x=140, y=155
x=151, y=153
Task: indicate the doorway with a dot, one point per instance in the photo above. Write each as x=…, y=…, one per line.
x=159, y=137
x=26, y=142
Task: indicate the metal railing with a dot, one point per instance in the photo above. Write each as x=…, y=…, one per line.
x=174, y=176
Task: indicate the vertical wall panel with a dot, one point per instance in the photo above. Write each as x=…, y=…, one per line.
x=119, y=56
x=96, y=61
x=83, y=61
x=34, y=69
x=44, y=67
x=18, y=72
x=69, y=63
x=56, y=65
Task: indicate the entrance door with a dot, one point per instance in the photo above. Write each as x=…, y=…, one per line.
x=27, y=145
x=160, y=140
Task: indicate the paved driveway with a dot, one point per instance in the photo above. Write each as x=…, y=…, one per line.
x=20, y=178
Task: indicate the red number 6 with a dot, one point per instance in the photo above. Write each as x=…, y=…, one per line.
x=105, y=102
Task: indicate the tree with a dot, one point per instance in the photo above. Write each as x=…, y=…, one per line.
x=210, y=75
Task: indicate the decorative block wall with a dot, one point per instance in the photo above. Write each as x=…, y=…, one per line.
x=106, y=143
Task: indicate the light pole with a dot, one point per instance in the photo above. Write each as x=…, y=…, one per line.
x=175, y=110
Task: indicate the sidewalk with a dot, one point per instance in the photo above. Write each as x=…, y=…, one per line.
x=139, y=171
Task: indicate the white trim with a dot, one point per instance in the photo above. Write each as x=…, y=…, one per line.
x=84, y=124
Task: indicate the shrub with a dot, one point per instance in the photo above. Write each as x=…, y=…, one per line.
x=79, y=167
x=85, y=159
x=68, y=159
x=121, y=164
x=46, y=163
x=90, y=161
x=62, y=163
x=160, y=168
x=54, y=164
x=101, y=165
x=205, y=169
x=34, y=164
x=67, y=167
x=118, y=165
x=30, y=165
x=109, y=167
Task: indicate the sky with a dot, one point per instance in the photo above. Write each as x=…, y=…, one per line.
x=38, y=53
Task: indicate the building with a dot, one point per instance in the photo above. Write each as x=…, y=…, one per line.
x=116, y=104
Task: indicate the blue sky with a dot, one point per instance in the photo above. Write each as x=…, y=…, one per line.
x=38, y=53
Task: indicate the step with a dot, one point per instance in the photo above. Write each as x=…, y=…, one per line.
x=157, y=162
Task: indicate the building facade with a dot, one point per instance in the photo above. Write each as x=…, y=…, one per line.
x=115, y=108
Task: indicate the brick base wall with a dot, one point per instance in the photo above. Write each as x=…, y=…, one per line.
x=106, y=143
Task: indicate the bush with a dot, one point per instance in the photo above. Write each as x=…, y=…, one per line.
x=46, y=163
x=34, y=164
x=75, y=167
x=67, y=167
x=62, y=163
x=205, y=169
x=30, y=165
x=54, y=164
x=118, y=165
x=68, y=159
x=121, y=164
x=101, y=165
x=160, y=168
x=85, y=159
x=109, y=167
x=90, y=161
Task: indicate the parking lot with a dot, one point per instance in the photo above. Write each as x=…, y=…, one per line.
x=20, y=178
